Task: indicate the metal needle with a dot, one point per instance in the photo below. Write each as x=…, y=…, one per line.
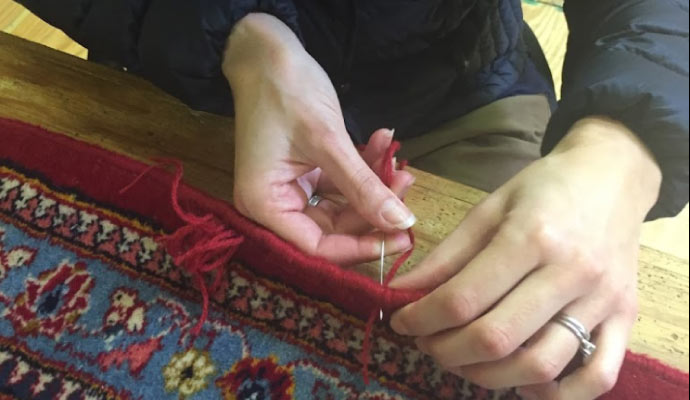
x=383, y=252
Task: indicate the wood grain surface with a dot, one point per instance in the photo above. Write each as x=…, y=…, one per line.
x=120, y=112
x=546, y=18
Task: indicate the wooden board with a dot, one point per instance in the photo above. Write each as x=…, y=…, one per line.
x=17, y=20
x=549, y=26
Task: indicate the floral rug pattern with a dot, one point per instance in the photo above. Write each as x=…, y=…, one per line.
x=92, y=308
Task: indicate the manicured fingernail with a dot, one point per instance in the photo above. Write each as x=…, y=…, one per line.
x=392, y=132
x=397, y=215
x=395, y=243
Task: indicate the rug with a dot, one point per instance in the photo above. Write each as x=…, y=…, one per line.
x=93, y=307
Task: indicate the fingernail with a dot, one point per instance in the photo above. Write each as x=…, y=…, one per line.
x=526, y=394
x=397, y=215
x=396, y=243
x=421, y=346
x=398, y=327
x=406, y=189
x=392, y=132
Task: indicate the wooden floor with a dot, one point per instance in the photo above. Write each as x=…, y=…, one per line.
x=546, y=19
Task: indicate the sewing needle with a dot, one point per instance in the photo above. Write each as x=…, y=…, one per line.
x=383, y=252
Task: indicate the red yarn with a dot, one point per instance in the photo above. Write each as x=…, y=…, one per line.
x=386, y=171
x=386, y=175
x=365, y=355
x=202, y=245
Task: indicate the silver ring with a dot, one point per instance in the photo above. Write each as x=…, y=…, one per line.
x=579, y=330
x=314, y=200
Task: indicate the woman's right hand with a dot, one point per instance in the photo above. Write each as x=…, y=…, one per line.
x=291, y=142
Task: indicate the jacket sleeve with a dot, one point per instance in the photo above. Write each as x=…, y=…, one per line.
x=176, y=44
x=628, y=59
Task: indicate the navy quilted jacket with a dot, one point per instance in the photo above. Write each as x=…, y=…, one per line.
x=414, y=64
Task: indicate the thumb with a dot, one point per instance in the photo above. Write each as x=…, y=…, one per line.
x=363, y=188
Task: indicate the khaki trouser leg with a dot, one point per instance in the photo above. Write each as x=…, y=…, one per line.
x=486, y=147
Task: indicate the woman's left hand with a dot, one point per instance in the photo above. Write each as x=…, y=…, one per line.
x=560, y=237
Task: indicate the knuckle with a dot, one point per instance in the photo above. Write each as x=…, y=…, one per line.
x=546, y=236
x=493, y=341
x=315, y=126
x=617, y=296
x=324, y=138
x=459, y=307
x=364, y=180
x=632, y=308
x=620, y=296
x=591, y=268
x=604, y=380
x=542, y=369
x=320, y=137
x=438, y=352
x=512, y=233
x=445, y=267
x=485, y=209
x=626, y=302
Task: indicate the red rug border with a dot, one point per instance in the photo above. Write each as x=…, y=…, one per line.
x=80, y=173
x=309, y=274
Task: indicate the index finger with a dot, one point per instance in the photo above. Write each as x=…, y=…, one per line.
x=340, y=248
x=460, y=247
x=498, y=268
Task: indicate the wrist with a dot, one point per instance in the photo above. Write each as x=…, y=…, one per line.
x=259, y=46
x=612, y=149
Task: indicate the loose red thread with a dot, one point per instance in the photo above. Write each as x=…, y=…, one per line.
x=386, y=175
x=202, y=245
